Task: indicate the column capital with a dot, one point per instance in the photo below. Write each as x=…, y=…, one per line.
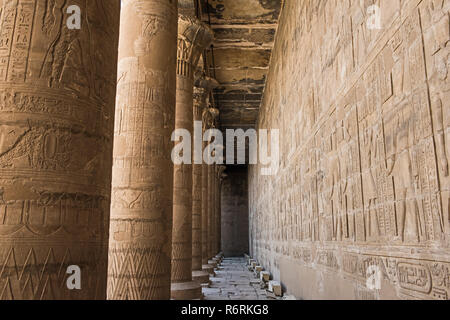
x=193, y=37
x=207, y=83
x=202, y=90
x=209, y=116
x=223, y=177
x=214, y=112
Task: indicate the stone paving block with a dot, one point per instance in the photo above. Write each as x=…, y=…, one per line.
x=239, y=282
x=219, y=298
x=211, y=291
x=265, y=276
x=261, y=292
x=275, y=288
x=270, y=295
x=235, y=282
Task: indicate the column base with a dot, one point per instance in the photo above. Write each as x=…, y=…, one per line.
x=200, y=276
x=212, y=263
x=186, y=291
x=208, y=268
x=219, y=258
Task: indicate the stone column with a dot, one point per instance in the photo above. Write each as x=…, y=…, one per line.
x=218, y=225
x=222, y=178
x=215, y=249
x=193, y=37
x=202, y=91
x=211, y=199
x=208, y=122
x=57, y=89
x=211, y=209
x=141, y=216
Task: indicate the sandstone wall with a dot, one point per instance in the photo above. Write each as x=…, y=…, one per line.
x=235, y=212
x=364, y=121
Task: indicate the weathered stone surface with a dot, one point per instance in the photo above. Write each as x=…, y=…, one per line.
x=202, y=92
x=360, y=205
x=245, y=31
x=217, y=240
x=193, y=37
x=275, y=288
x=234, y=212
x=57, y=89
x=234, y=283
x=211, y=209
x=265, y=276
x=209, y=117
x=364, y=123
x=141, y=211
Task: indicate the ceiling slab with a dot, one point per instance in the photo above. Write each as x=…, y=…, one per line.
x=240, y=56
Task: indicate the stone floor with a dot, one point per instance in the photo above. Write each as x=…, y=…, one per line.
x=233, y=281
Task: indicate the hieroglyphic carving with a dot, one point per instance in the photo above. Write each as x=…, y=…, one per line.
x=209, y=118
x=54, y=203
x=202, y=92
x=211, y=208
x=141, y=211
x=436, y=35
x=193, y=37
x=369, y=133
x=217, y=211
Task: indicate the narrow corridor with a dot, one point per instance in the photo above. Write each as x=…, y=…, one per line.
x=234, y=281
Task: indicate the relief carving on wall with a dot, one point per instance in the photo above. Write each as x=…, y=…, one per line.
x=372, y=127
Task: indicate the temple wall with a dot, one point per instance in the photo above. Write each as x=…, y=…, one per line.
x=235, y=212
x=363, y=185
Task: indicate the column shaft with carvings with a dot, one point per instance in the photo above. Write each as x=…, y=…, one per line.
x=57, y=89
x=141, y=214
x=208, y=119
x=193, y=38
x=218, y=224
x=203, y=89
x=212, y=177
x=197, y=273
x=212, y=212
x=217, y=213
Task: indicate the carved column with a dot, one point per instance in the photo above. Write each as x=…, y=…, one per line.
x=218, y=222
x=211, y=215
x=202, y=91
x=57, y=89
x=193, y=37
x=211, y=199
x=215, y=249
x=208, y=123
x=222, y=178
x=212, y=177
x=141, y=216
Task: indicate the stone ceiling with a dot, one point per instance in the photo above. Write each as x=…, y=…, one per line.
x=239, y=58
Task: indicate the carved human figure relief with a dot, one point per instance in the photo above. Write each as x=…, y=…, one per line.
x=400, y=165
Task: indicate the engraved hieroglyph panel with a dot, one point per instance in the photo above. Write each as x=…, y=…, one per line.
x=57, y=89
x=193, y=38
x=364, y=126
x=140, y=241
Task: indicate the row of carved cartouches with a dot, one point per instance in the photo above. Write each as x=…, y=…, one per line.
x=426, y=279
